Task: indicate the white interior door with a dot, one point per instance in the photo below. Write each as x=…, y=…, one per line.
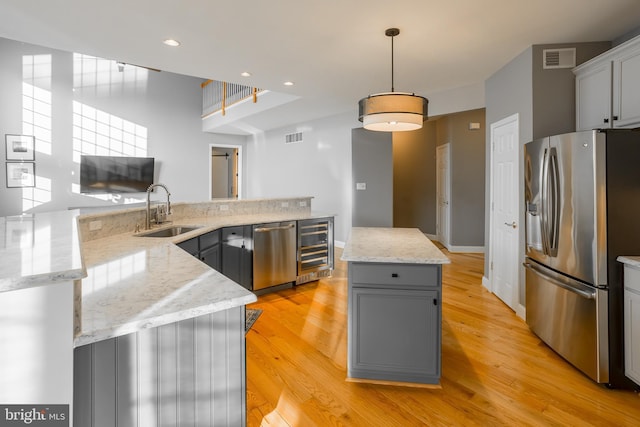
x=443, y=192
x=505, y=196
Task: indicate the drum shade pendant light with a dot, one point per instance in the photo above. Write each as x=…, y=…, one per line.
x=392, y=111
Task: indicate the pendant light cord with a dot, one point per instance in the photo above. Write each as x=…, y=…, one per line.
x=392, y=32
x=392, y=88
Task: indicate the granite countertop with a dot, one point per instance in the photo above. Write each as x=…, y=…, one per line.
x=39, y=249
x=129, y=282
x=391, y=245
x=633, y=261
x=135, y=282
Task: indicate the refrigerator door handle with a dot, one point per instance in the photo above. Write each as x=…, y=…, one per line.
x=544, y=187
x=554, y=178
x=591, y=294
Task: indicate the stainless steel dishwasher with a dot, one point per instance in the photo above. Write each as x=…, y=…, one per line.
x=274, y=254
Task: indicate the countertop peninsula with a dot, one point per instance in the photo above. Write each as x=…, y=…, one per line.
x=39, y=249
x=135, y=282
x=127, y=282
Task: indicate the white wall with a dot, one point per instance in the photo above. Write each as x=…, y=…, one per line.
x=319, y=166
x=167, y=105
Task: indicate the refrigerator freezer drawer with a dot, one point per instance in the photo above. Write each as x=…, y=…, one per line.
x=570, y=317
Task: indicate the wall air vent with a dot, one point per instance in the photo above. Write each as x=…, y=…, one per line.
x=559, y=58
x=292, y=138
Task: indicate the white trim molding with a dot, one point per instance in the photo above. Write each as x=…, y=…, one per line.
x=466, y=249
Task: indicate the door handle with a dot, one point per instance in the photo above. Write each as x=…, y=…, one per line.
x=512, y=225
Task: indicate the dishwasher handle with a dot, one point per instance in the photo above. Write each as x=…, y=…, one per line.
x=267, y=229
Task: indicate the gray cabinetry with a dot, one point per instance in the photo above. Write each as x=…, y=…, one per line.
x=210, y=252
x=206, y=248
x=189, y=373
x=237, y=254
x=394, y=322
x=608, y=89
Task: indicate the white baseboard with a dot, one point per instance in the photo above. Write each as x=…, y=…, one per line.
x=338, y=244
x=486, y=283
x=466, y=249
x=521, y=312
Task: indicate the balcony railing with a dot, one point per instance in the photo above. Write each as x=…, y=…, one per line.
x=218, y=96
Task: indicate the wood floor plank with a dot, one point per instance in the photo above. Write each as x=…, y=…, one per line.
x=494, y=370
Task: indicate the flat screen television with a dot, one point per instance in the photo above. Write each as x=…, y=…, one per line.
x=113, y=174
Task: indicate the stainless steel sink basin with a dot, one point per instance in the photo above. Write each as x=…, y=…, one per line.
x=168, y=232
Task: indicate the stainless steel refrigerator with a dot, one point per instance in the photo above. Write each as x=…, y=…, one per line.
x=582, y=210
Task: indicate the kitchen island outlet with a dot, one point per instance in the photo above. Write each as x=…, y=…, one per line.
x=395, y=306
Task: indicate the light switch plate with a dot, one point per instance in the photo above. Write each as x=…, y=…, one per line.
x=361, y=185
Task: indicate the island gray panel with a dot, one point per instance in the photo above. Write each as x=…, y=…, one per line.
x=189, y=373
x=395, y=322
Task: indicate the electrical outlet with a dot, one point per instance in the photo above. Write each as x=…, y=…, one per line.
x=303, y=204
x=361, y=186
x=285, y=204
x=95, y=225
x=224, y=207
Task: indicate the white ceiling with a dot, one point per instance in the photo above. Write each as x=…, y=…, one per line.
x=334, y=50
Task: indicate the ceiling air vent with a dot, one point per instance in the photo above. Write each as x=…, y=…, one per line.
x=559, y=58
x=292, y=138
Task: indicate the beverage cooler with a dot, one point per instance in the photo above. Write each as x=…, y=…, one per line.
x=315, y=249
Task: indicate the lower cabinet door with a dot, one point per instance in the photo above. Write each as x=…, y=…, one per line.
x=394, y=335
x=632, y=334
x=211, y=257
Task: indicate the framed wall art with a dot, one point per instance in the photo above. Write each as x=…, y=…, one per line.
x=21, y=175
x=20, y=147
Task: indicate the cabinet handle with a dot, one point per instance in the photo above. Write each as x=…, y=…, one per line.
x=394, y=274
x=615, y=117
x=435, y=301
x=606, y=120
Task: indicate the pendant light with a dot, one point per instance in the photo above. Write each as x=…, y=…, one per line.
x=392, y=111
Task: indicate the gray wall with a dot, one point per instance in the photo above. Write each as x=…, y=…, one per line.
x=372, y=164
x=414, y=178
x=554, y=90
x=467, y=172
x=167, y=105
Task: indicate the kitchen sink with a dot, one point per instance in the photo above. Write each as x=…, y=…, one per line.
x=167, y=232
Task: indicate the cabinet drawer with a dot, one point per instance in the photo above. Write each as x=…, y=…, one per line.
x=209, y=239
x=395, y=274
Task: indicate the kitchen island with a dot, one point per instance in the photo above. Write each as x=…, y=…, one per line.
x=395, y=306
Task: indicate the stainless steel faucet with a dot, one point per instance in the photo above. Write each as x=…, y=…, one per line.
x=149, y=190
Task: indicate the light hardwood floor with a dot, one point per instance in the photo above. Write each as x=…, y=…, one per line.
x=494, y=370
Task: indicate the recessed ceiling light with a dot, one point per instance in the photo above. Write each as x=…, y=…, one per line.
x=288, y=83
x=171, y=42
x=245, y=74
